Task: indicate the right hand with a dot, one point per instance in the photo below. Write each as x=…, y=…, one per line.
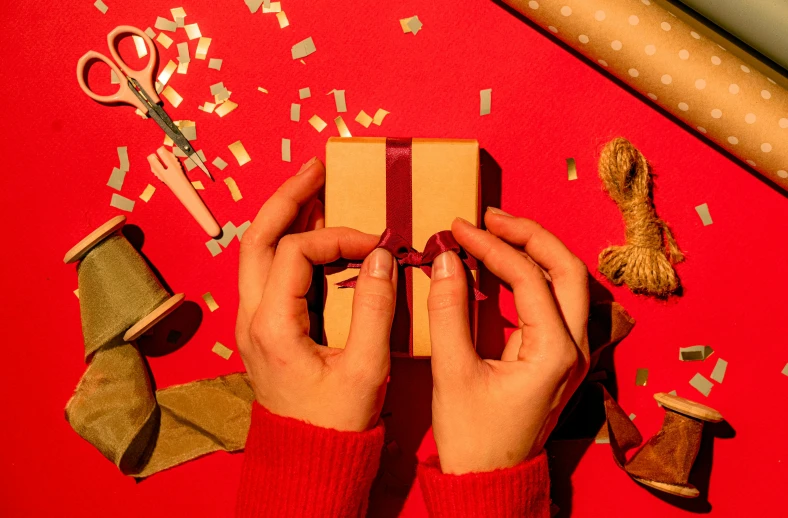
x=490, y=414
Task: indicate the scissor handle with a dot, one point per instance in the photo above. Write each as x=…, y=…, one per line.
x=145, y=76
x=124, y=93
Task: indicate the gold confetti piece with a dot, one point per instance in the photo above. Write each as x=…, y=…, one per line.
x=282, y=19
x=150, y=32
x=116, y=179
x=219, y=164
x=159, y=87
x=163, y=24
x=274, y=7
x=632, y=417
x=166, y=74
x=142, y=49
x=113, y=77
x=304, y=93
x=217, y=88
x=178, y=152
x=222, y=350
x=415, y=25
x=179, y=21
x=192, y=31
x=342, y=127
x=317, y=123
x=198, y=186
x=261, y=89
x=76, y=293
x=703, y=212
x=404, y=24
x=210, y=302
x=123, y=158
x=147, y=193
x=139, y=112
x=718, y=374
x=172, y=96
x=178, y=12
x=228, y=233
x=183, y=52
x=785, y=370
x=202, y=48
x=486, y=101
x=695, y=353
x=222, y=96
x=701, y=384
x=208, y=107
x=189, y=129
x=234, y=190
x=239, y=231
x=101, y=6
x=641, y=378
x=121, y=202
x=183, y=68
x=285, y=150
x=363, y=119
x=164, y=40
x=673, y=393
x=253, y=5
x=377, y=120
x=267, y=4
x=215, y=64
x=303, y=48
x=213, y=247
x=226, y=107
x=339, y=100
x=295, y=112
x=168, y=141
x=571, y=169
x=240, y=154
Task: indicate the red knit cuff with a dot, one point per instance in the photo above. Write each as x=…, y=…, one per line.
x=294, y=469
x=523, y=490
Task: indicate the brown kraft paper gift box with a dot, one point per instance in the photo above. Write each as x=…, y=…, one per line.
x=444, y=185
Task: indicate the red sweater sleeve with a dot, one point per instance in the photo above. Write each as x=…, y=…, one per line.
x=294, y=469
x=523, y=490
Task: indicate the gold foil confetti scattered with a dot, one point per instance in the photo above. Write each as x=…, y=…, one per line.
x=113, y=77
x=228, y=233
x=785, y=370
x=189, y=129
x=139, y=43
x=191, y=164
x=571, y=169
x=226, y=107
x=641, y=378
x=192, y=31
x=210, y=302
x=339, y=100
x=261, y=89
x=215, y=64
x=202, y=48
x=172, y=96
x=234, y=190
x=147, y=193
x=363, y=119
x=101, y=6
x=304, y=93
x=703, y=212
x=317, y=123
x=404, y=24
x=282, y=19
x=377, y=120
x=183, y=68
x=164, y=40
x=178, y=152
x=718, y=374
x=198, y=186
x=695, y=353
x=253, y=5
x=178, y=12
x=219, y=164
x=166, y=74
x=183, y=52
x=123, y=158
x=222, y=350
x=415, y=25
x=302, y=61
x=163, y=24
x=213, y=247
x=672, y=393
x=295, y=112
x=179, y=21
x=208, y=107
x=267, y=4
x=159, y=87
x=632, y=417
x=240, y=154
x=116, y=179
x=217, y=88
x=486, y=101
x=701, y=384
x=303, y=48
x=285, y=150
x=76, y=293
x=342, y=127
x=272, y=7
x=239, y=231
x=168, y=141
x=121, y=202
x=150, y=32
x=139, y=112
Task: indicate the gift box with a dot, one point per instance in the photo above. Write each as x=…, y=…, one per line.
x=414, y=188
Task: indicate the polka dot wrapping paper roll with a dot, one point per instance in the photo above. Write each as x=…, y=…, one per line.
x=712, y=90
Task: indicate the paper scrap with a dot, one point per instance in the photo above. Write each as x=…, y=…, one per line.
x=304, y=93
x=164, y=40
x=695, y=353
x=377, y=120
x=641, y=378
x=632, y=417
x=281, y=17
x=179, y=21
x=217, y=88
x=701, y=384
x=253, y=5
x=116, y=178
x=159, y=87
x=150, y=32
x=342, y=127
x=207, y=107
x=166, y=74
x=123, y=158
x=172, y=96
x=317, y=123
x=271, y=7
x=412, y=24
x=101, y=6
x=226, y=107
x=178, y=152
x=121, y=202
x=285, y=150
x=486, y=101
x=239, y=231
x=113, y=77
x=261, y=89
x=219, y=164
x=339, y=100
x=147, y=193
x=571, y=169
x=215, y=64
x=363, y=119
x=234, y=190
x=192, y=31
x=142, y=48
x=198, y=186
x=222, y=350
x=228, y=233
x=673, y=393
x=703, y=212
x=189, y=129
x=183, y=68
x=295, y=112
x=718, y=374
x=213, y=247
x=76, y=293
x=183, y=52
x=178, y=12
x=163, y=24
x=202, y=48
x=303, y=48
x=785, y=369
x=210, y=302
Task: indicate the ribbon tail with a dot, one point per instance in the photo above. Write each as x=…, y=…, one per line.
x=348, y=283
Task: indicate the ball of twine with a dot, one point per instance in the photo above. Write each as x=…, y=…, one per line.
x=645, y=262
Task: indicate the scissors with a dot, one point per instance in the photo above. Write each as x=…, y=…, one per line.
x=139, y=90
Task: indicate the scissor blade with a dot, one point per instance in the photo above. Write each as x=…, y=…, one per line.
x=197, y=160
x=165, y=123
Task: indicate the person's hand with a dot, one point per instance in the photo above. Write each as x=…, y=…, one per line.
x=490, y=414
x=291, y=375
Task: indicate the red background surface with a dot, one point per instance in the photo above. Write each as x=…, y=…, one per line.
x=58, y=149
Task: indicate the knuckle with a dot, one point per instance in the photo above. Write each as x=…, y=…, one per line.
x=375, y=302
x=288, y=242
x=567, y=361
x=251, y=240
x=445, y=299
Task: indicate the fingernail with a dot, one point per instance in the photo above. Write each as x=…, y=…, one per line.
x=306, y=165
x=465, y=221
x=498, y=211
x=442, y=266
x=381, y=265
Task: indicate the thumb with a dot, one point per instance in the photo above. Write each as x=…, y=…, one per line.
x=374, y=300
x=450, y=333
